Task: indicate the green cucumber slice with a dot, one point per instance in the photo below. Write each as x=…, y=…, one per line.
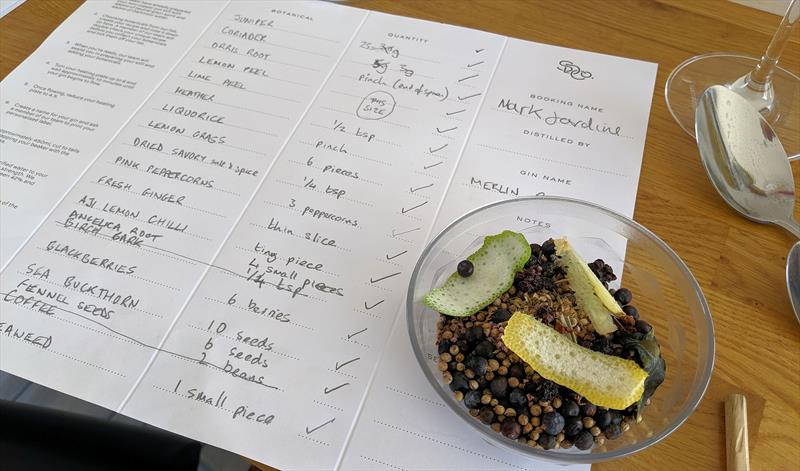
x=497, y=261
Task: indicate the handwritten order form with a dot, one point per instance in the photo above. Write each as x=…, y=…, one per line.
x=210, y=211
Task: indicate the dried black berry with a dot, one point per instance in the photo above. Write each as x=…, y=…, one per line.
x=613, y=431
x=499, y=386
x=444, y=346
x=570, y=409
x=548, y=248
x=465, y=268
x=501, y=315
x=631, y=311
x=584, y=440
x=588, y=409
x=623, y=296
x=616, y=417
x=518, y=399
x=511, y=428
x=516, y=371
x=643, y=326
x=483, y=349
x=602, y=418
x=548, y=442
x=459, y=382
x=472, y=399
x=572, y=426
x=553, y=423
x=486, y=415
x=474, y=334
x=477, y=364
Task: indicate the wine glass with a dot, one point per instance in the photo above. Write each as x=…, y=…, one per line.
x=771, y=89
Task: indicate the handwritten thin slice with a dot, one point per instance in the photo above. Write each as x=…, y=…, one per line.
x=605, y=380
x=593, y=298
x=497, y=261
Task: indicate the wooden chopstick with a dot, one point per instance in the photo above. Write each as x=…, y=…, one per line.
x=737, y=450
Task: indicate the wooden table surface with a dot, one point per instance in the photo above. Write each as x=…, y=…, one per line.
x=739, y=264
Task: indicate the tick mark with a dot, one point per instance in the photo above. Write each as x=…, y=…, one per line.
x=434, y=165
x=404, y=210
x=328, y=391
x=349, y=336
x=467, y=97
x=368, y=308
x=442, y=131
x=319, y=426
x=420, y=188
x=473, y=65
x=383, y=278
x=395, y=234
x=455, y=112
x=396, y=255
x=346, y=363
x=478, y=51
x=467, y=78
x=437, y=149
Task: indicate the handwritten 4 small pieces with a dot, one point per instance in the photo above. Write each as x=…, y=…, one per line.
x=573, y=365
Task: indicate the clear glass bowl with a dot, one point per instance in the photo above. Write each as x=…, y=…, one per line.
x=664, y=291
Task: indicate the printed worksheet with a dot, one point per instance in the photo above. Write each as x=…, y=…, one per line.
x=211, y=211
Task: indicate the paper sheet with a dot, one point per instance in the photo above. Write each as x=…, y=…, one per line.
x=211, y=211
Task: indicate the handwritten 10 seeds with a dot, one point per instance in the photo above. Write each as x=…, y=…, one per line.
x=537, y=347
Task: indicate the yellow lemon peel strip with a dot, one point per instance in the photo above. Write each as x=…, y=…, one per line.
x=605, y=380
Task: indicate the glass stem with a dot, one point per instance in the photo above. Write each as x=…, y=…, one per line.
x=759, y=78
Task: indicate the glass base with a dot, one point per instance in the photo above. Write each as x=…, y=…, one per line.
x=690, y=79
